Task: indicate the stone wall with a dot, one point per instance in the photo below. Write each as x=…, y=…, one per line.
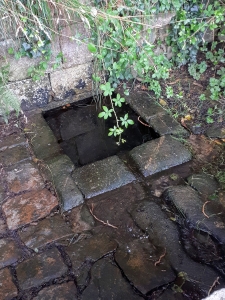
x=72, y=80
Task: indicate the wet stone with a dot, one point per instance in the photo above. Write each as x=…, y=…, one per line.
x=216, y=132
x=165, y=124
x=102, y=176
x=3, y=226
x=43, y=141
x=46, y=231
x=159, y=154
x=77, y=122
x=108, y=283
x=81, y=219
x=11, y=141
x=203, y=183
x=40, y=269
x=8, y=289
x=26, y=208
x=164, y=233
x=9, y=252
x=189, y=204
x=24, y=177
x=90, y=248
x=61, y=168
x=65, y=291
x=14, y=155
x=137, y=259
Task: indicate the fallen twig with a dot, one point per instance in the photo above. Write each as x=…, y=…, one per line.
x=173, y=81
x=203, y=209
x=213, y=285
x=160, y=258
x=143, y=122
x=105, y=223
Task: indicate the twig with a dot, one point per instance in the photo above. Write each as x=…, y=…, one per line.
x=143, y=122
x=105, y=223
x=160, y=258
x=203, y=209
x=198, y=84
x=213, y=285
x=173, y=81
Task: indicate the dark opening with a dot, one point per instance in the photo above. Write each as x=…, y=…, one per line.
x=84, y=137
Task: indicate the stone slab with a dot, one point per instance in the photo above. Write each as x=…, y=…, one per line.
x=74, y=52
x=64, y=291
x=164, y=124
x=164, y=233
x=81, y=219
x=9, y=252
x=216, y=132
x=29, y=207
x=60, y=173
x=102, y=176
x=11, y=141
x=203, y=183
x=24, y=177
x=40, y=269
x=159, y=154
x=68, y=83
x=30, y=95
x=90, y=249
x=42, y=139
x=133, y=259
x=14, y=155
x=8, y=289
x=46, y=231
x=76, y=122
x=105, y=286
x=189, y=204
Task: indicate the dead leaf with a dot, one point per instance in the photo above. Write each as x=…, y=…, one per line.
x=162, y=102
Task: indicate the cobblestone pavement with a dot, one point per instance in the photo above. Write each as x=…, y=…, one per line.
x=114, y=229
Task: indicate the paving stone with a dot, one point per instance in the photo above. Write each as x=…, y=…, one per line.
x=203, y=183
x=164, y=233
x=46, y=231
x=189, y=204
x=14, y=155
x=43, y=141
x=133, y=259
x=3, y=226
x=81, y=219
x=159, y=154
x=2, y=191
x=164, y=124
x=9, y=252
x=65, y=291
x=77, y=121
x=26, y=208
x=8, y=289
x=108, y=283
x=60, y=173
x=40, y=269
x=102, y=176
x=24, y=177
x=91, y=248
x=11, y=141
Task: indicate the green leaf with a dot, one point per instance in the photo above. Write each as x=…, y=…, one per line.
x=92, y=48
x=101, y=114
x=131, y=122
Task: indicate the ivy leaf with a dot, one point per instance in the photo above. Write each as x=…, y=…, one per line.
x=92, y=48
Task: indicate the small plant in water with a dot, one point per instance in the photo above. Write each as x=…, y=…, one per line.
x=122, y=122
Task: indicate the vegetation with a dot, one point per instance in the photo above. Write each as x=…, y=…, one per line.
x=121, y=40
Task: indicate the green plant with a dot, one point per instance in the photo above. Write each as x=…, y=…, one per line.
x=202, y=97
x=169, y=92
x=210, y=113
x=196, y=70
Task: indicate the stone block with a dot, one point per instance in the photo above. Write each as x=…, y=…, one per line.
x=14, y=155
x=159, y=154
x=75, y=52
x=8, y=289
x=9, y=252
x=60, y=174
x=64, y=291
x=40, y=269
x=31, y=95
x=24, y=177
x=102, y=176
x=29, y=207
x=46, y=231
x=68, y=83
x=205, y=184
x=11, y=141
